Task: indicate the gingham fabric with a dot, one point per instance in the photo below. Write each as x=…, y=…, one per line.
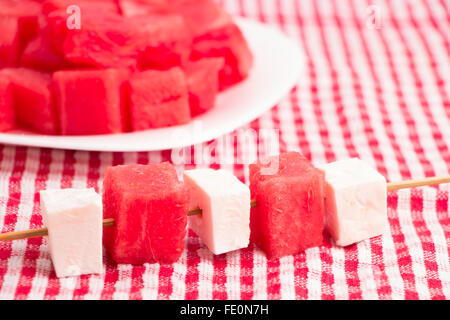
x=376, y=85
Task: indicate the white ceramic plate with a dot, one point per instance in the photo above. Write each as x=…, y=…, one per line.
x=278, y=63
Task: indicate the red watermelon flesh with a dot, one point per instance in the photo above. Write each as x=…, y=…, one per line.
x=149, y=205
x=97, y=6
x=289, y=215
x=27, y=12
x=33, y=100
x=203, y=83
x=131, y=8
x=54, y=25
x=162, y=41
x=100, y=43
x=40, y=53
x=6, y=105
x=158, y=99
x=216, y=35
x=157, y=41
x=199, y=15
x=92, y=101
x=57, y=19
x=9, y=41
x=228, y=42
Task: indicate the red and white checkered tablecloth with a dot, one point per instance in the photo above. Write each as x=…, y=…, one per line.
x=376, y=86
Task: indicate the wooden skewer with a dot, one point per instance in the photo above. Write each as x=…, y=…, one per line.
x=417, y=183
x=196, y=211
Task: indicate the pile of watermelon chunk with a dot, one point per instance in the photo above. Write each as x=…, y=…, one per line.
x=81, y=67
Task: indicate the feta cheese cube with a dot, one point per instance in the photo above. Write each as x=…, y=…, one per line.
x=355, y=201
x=224, y=224
x=74, y=221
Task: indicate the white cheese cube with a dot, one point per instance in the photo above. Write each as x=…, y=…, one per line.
x=224, y=224
x=74, y=221
x=355, y=201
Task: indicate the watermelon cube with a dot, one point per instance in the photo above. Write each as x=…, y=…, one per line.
x=162, y=41
x=289, y=216
x=91, y=101
x=6, y=105
x=105, y=43
x=203, y=83
x=216, y=35
x=228, y=42
x=155, y=41
x=33, y=100
x=158, y=99
x=40, y=54
x=26, y=12
x=9, y=41
x=149, y=205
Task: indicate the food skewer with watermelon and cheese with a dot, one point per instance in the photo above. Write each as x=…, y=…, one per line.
x=147, y=206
